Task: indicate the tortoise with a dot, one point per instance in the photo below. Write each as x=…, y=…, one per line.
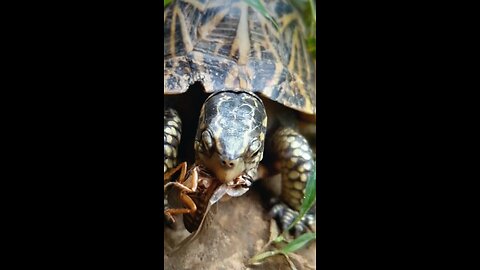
x=240, y=92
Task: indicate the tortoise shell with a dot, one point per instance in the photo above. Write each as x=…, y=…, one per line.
x=228, y=45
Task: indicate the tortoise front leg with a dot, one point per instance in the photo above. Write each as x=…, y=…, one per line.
x=295, y=162
x=172, y=133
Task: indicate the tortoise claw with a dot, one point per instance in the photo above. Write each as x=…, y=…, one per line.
x=284, y=216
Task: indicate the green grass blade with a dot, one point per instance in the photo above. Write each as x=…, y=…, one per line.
x=258, y=6
x=279, y=239
x=313, y=9
x=166, y=3
x=312, y=46
x=260, y=257
x=310, y=197
x=310, y=192
x=299, y=242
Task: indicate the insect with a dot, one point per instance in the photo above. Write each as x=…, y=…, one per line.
x=195, y=191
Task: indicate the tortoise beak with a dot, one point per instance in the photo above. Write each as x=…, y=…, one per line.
x=226, y=170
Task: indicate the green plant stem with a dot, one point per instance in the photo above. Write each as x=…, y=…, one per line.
x=313, y=8
x=259, y=257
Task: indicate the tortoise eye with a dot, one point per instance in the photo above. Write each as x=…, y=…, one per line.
x=254, y=147
x=207, y=140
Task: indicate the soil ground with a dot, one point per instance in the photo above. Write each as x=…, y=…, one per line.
x=234, y=231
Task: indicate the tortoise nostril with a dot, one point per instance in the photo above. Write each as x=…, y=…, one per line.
x=228, y=163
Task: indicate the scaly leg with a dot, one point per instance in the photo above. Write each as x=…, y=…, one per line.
x=172, y=132
x=295, y=159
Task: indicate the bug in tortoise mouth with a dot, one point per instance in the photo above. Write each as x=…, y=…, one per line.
x=260, y=83
x=197, y=191
x=194, y=192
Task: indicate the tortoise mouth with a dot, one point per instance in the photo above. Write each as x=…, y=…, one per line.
x=225, y=174
x=228, y=175
x=232, y=189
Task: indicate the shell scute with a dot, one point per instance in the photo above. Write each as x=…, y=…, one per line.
x=227, y=45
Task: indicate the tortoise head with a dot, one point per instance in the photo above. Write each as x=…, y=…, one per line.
x=231, y=134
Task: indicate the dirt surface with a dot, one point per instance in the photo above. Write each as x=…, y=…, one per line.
x=234, y=231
